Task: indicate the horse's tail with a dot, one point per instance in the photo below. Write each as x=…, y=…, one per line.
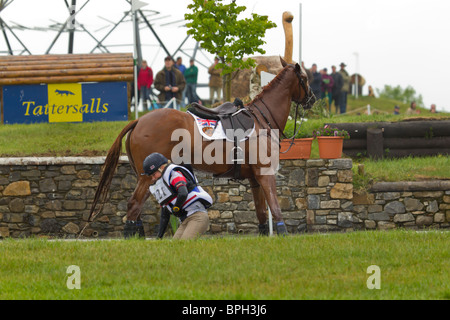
x=111, y=162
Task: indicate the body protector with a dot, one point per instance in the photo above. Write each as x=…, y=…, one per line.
x=167, y=195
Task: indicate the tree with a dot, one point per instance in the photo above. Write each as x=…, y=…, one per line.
x=406, y=95
x=217, y=27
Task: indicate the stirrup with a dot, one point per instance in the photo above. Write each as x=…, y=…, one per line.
x=237, y=154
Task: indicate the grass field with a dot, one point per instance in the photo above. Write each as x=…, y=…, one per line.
x=58, y=139
x=413, y=265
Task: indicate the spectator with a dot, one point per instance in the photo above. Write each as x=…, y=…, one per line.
x=169, y=81
x=191, y=76
x=345, y=88
x=371, y=93
x=215, y=81
x=327, y=85
x=433, y=108
x=317, y=82
x=413, y=109
x=145, y=81
x=396, y=110
x=337, y=88
x=180, y=66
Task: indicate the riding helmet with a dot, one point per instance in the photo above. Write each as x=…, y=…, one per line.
x=152, y=163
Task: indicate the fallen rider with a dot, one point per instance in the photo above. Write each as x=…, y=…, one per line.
x=176, y=189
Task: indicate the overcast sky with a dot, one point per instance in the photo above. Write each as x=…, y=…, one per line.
x=395, y=42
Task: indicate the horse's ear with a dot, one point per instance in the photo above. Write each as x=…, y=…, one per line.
x=298, y=68
x=283, y=63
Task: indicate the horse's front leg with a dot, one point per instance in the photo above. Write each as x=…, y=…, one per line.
x=260, y=207
x=268, y=185
x=134, y=224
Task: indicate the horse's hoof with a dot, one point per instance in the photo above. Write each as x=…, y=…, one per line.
x=281, y=229
x=140, y=229
x=132, y=228
x=263, y=229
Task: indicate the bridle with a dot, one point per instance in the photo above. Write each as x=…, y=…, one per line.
x=308, y=93
x=309, y=96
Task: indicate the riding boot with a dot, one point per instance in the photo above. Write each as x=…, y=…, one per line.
x=281, y=229
x=263, y=229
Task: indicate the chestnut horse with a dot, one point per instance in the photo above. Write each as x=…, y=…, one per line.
x=152, y=133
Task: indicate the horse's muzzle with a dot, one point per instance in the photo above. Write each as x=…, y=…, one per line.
x=310, y=99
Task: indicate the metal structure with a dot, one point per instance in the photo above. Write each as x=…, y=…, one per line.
x=6, y=28
x=72, y=25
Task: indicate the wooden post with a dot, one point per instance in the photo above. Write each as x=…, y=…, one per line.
x=361, y=170
x=375, y=143
x=288, y=33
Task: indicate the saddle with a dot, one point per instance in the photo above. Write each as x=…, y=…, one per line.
x=213, y=113
x=237, y=123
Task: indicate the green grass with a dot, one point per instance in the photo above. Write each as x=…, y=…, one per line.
x=406, y=169
x=58, y=139
x=413, y=265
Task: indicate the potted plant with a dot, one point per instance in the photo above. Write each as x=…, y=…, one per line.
x=331, y=141
x=297, y=148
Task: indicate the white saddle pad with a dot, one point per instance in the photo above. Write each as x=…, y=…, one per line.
x=213, y=130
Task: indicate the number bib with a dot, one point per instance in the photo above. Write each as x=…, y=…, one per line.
x=162, y=192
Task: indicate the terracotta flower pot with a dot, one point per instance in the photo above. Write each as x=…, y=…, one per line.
x=330, y=147
x=301, y=149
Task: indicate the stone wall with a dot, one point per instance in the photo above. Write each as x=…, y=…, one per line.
x=404, y=208
x=314, y=195
x=52, y=197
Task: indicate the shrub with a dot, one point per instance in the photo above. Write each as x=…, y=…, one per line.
x=328, y=131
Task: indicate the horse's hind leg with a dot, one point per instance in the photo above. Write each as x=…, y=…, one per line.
x=260, y=206
x=133, y=224
x=268, y=185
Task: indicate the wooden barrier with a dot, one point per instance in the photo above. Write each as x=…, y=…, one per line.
x=66, y=68
x=397, y=139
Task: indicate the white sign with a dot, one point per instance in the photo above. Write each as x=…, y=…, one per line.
x=136, y=5
x=266, y=78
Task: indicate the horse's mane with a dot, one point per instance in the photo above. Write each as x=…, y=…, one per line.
x=274, y=81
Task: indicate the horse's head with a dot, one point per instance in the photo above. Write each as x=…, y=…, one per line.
x=303, y=95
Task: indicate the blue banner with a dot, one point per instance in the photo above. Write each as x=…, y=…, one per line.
x=65, y=102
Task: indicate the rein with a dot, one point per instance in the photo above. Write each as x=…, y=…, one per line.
x=306, y=100
x=296, y=131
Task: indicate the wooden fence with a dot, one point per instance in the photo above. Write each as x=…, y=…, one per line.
x=397, y=139
x=66, y=68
